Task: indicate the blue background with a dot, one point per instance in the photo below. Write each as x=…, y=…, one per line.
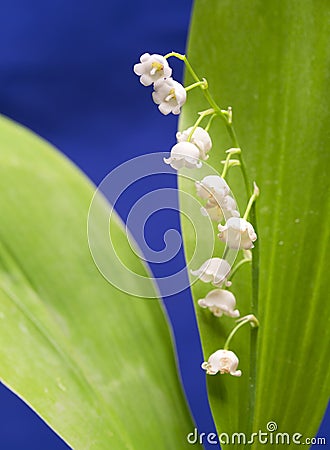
x=66, y=73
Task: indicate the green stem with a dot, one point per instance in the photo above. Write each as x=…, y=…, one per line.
x=226, y=166
x=210, y=122
x=255, y=280
x=194, y=85
x=255, y=291
x=206, y=92
x=248, y=319
x=227, y=117
x=228, y=161
x=211, y=101
x=255, y=264
x=254, y=310
x=202, y=114
x=184, y=59
x=238, y=265
x=249, y=205
x=232, y=134
x=255, y=286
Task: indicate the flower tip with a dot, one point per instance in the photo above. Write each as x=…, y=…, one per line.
x=247, y=254
x=233, y=151
x=256, y=190
x=254, y=322
x=237, y=373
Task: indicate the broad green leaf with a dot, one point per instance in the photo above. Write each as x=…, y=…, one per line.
x=96, y=364
x=270, y=62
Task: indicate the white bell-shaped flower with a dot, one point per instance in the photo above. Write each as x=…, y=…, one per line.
x=200, y=138
x=223, y=361
x=184, y=154
x=169, y=95
x=220, y=204
x=152, y=68
x=219, y=302
x=212, y=188
x=237, y=233
x=215, y=271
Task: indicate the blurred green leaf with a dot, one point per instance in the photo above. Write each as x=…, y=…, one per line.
x=96, y=364
x=270, y=62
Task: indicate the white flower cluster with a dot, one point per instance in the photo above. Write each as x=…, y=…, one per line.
x=237, y=233
x=168, y=94
x=192, y=144
x=191, y=149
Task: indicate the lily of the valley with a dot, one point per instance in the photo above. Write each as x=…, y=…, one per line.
x=212, y=188
x=184, y=154
x=169, y=95
x=220, y=204
x=220, y=211
x=237, y=233
x=200, y=138
x=189, y=153
x=215, y=271
x=223, y=361
x=152, y=68
x=219, y=302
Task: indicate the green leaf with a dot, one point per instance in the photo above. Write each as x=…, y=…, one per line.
x=270, y=62
x=96, y=364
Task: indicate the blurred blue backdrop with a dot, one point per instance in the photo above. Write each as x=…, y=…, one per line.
x=66, y=73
